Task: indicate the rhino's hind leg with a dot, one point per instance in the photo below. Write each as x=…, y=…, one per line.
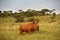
x=21, y=32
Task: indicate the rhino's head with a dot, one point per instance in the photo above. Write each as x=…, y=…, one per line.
x=35, y=25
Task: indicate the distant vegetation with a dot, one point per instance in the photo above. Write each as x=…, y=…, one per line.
x=20, y=15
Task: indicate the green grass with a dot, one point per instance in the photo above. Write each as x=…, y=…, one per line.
x=47, y=31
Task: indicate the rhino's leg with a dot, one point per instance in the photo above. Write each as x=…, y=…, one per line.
x=38, y=28
x=30, y=32
x=21, y=32
x=33, y=30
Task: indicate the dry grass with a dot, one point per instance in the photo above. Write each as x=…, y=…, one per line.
x=48, y=31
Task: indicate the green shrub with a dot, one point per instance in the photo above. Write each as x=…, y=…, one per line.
x=32, y=19
x=20, y=19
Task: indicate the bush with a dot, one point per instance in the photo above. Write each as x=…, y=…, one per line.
x=32, y=19
x=52, y=19
x=19, y=19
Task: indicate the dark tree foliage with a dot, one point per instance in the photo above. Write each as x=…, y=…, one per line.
x=21, y=14
x=54, y=14
x=0, y=12
x=43, y=11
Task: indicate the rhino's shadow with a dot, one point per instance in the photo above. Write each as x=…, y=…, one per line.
x=40, y=31
x=36, y=32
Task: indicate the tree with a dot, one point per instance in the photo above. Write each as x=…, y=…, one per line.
x=54, y=14
x=6, y=13
x=43, y=11
x=20, y=18
x=29, y=13
x=20, y=11
x=50, y=11
x=10, y=11
x=0, y=12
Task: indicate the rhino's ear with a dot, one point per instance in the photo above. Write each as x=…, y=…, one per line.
x=33, y=22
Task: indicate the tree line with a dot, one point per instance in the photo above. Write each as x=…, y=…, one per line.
x=30, y=12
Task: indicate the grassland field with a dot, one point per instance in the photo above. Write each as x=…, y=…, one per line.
x=47, y=31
